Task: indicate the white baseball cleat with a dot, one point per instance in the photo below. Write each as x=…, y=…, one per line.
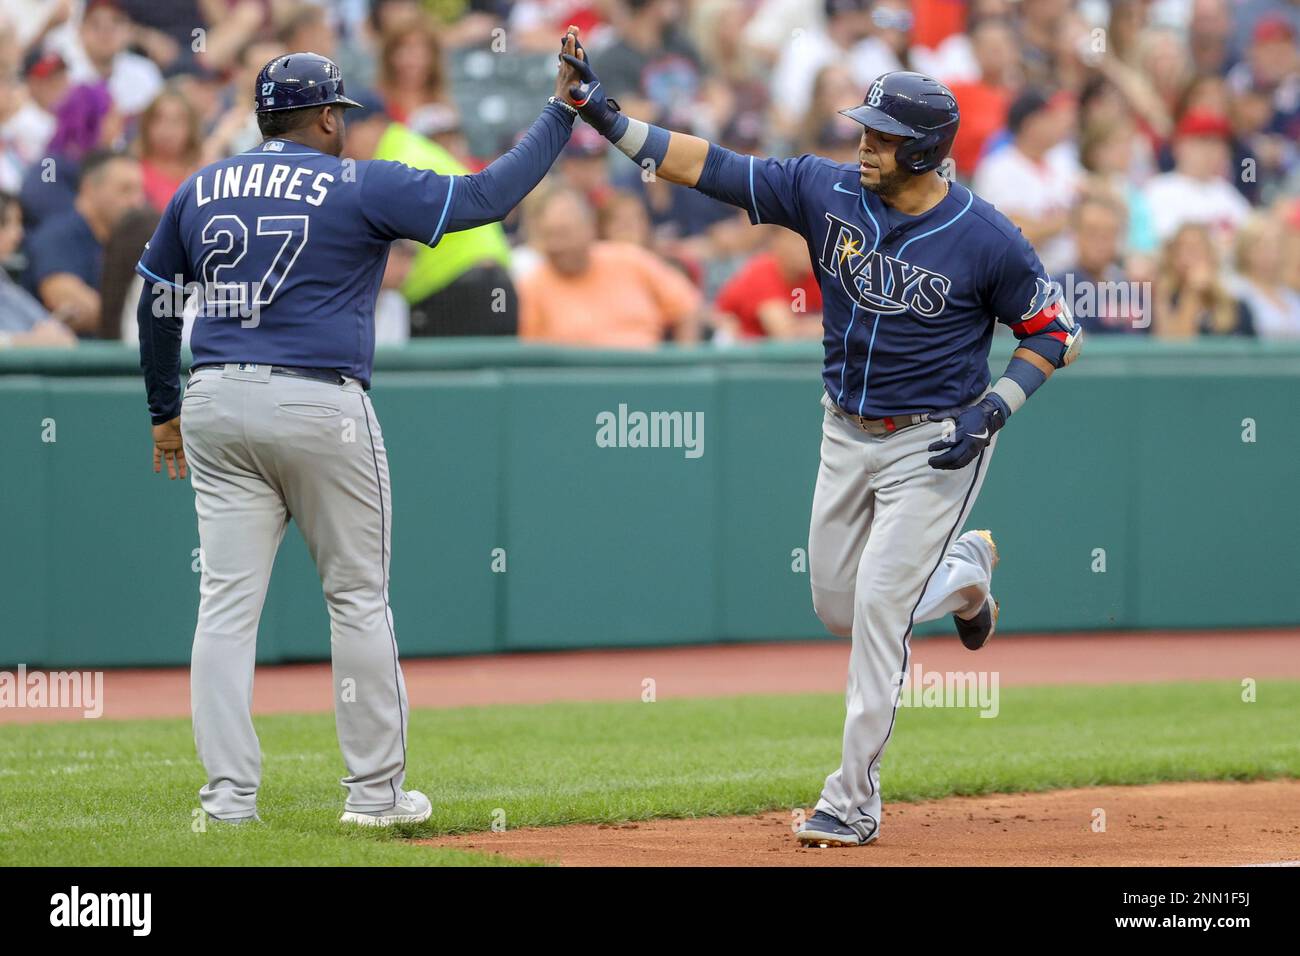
x=414, y=807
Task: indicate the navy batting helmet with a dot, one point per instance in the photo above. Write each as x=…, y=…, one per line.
x=296, y=80
x=917, y=107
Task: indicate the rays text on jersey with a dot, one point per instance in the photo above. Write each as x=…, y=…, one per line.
x=879, y=282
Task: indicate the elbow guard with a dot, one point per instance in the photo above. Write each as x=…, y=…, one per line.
x=1051, y=333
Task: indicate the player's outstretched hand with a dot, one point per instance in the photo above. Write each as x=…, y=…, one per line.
x=586, y=93
x=973, y=428
x=167, y=446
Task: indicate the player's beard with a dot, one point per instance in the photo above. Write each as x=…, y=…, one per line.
x=889, y=184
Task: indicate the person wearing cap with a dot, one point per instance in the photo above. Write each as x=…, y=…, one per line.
x=451, y=290
x=1033, y=179
x=98, y=51
x=1198, y=189
x=1249, y=15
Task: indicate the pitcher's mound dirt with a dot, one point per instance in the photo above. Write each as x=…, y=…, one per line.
x=1179, y=824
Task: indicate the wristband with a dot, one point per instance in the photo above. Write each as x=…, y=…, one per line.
x=640, y=142
x=567, y=107
x=1018, y=383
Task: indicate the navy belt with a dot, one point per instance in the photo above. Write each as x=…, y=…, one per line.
x=330, y=375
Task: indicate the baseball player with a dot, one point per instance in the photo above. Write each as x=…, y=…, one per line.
x=914, y=272
x=287, y=245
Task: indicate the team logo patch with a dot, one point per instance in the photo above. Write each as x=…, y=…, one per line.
x=877, y=282
x=1047, y=298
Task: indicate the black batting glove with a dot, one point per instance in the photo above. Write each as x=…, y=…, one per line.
x=973, y=428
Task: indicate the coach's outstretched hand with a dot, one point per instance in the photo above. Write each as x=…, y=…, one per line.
x=601, y=113
x=974, y=427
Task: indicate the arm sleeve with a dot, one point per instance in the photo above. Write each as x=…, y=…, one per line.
x=488, y=195
x=404, y=203
x=1023, y=297
x=165, y=269
x=769, y=190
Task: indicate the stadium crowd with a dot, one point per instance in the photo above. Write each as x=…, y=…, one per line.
x=1148, y=149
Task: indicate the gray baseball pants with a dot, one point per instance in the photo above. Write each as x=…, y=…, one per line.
x=882, y=555
x=263, y=449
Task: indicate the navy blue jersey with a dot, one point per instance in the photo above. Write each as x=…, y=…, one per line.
x=909, y=302
x=287, y=246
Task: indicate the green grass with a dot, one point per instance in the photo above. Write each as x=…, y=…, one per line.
x=123, y=793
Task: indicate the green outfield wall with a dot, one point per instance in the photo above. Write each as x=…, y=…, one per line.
x=1132, y=460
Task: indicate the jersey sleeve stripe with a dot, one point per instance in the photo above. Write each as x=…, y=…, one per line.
x=442, y=220
x=753, y=203
x=145, y=273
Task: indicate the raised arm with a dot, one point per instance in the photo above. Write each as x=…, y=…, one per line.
x=676, y=157
x=768, y=190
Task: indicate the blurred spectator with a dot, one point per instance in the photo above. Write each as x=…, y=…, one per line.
x=1272, y=67
x=1106, y=151
x=1209, y=36
x=624, y=219
x=1198, y=189
x=461, y=287
x=85, y=121
x=841, y=40
x=1259, y=283
x=23, y=320
x=46, y=75
x=25, y=128
x=120, y=286
x=589, y=292
x=775, y=294
x=411, y=78
x=98, y=51
x=1032, y=180
x=66, y=252
x=833, y=90
x=170, y=145
x=1250, y=15
x=1096, y=287
x=651, y=64
x=1040, y=33
x=1191, y=296
x=1262, y=155
x=984, y=102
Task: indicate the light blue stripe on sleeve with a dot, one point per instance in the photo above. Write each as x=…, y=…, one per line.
x=753, y=203
x=442, y=220
x=140, y=268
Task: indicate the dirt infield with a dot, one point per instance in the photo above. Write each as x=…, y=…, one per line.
x=1186, y=824
x=722, y=670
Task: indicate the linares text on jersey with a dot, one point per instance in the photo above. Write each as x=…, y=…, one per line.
x=253, y=181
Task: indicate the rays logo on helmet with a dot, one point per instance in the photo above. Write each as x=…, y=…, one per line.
x=875, y=94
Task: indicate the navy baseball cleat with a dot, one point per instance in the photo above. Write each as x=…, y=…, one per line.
x=976, y=631
x=824, y=830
